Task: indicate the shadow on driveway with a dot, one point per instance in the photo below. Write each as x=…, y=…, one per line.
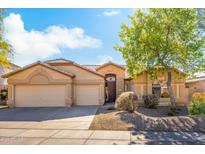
x=168, y=138
x=45, y=113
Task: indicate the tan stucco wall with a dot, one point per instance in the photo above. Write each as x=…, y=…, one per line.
x=84, y=77
x=198, y=86
x=143, y=85
x=144, y=77
x=39, y=75
x=120, y=75
x=24, y=74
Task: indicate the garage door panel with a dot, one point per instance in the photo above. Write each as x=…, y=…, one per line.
x=87, y=95
x=39, y=95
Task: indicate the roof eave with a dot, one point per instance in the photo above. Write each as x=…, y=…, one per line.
x=109, y=63
x=80, y=66
x=195, y=80
x=34, y=64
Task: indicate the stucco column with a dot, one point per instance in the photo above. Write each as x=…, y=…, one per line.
x=141, y=90
x=149, y=84
x=68, y=92
x=177, y=90
x=74, y=93
x=101, y=94
x=11, y=96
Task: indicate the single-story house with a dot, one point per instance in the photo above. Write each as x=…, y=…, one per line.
x=62, y=82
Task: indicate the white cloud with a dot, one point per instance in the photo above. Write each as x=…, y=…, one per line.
x=111, y=13
x=104, y=59
x=33, y=45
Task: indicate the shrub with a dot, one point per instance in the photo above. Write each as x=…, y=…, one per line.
x=199, y=97
x=3, y=95
x=165, y=95
x=3, y=102
x=196, y=108
x=127, y=101
x=151, y=100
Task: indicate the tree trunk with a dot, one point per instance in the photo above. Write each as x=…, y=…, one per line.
x=170, y=90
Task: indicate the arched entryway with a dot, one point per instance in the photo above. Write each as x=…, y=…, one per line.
x=110, y=87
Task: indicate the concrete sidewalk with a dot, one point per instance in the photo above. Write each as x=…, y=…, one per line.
x=89, y=137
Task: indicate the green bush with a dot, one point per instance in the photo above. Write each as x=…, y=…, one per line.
x=3, y=95
x=196, y=108
x=151, y=101
x=165, y=95
x=198, y=96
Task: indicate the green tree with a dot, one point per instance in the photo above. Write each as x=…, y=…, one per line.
x=6, y=51
x=164, y=37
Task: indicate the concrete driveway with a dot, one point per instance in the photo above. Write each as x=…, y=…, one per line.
x=77, y=117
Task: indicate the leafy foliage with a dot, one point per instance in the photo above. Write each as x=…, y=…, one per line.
x=3, y=94
x=164, y=37
x=5, y=48
x=197, y=105
x=197, y=108
x=165, y=95
x=151, y=100
x=199, y=96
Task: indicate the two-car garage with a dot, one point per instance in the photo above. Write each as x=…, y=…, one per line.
x=42, y=85
x=54, y=95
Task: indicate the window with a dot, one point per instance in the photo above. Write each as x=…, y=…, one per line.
x=110, y=78
x=164, y=89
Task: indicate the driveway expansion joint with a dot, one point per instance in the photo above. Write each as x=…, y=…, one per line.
x=88, y=138
x=46, y=138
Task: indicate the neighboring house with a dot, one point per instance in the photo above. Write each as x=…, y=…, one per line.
x=3, y=81
x=62, y=82
x=196, y=85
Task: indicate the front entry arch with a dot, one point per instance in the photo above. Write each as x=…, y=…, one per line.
x=110, y=87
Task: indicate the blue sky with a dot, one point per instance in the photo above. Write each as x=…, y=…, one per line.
x=86, y=36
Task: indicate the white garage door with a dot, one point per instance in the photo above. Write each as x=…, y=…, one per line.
x=87, y=95
x=39, y=95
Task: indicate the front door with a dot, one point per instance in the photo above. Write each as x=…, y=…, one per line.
x=110, y=88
